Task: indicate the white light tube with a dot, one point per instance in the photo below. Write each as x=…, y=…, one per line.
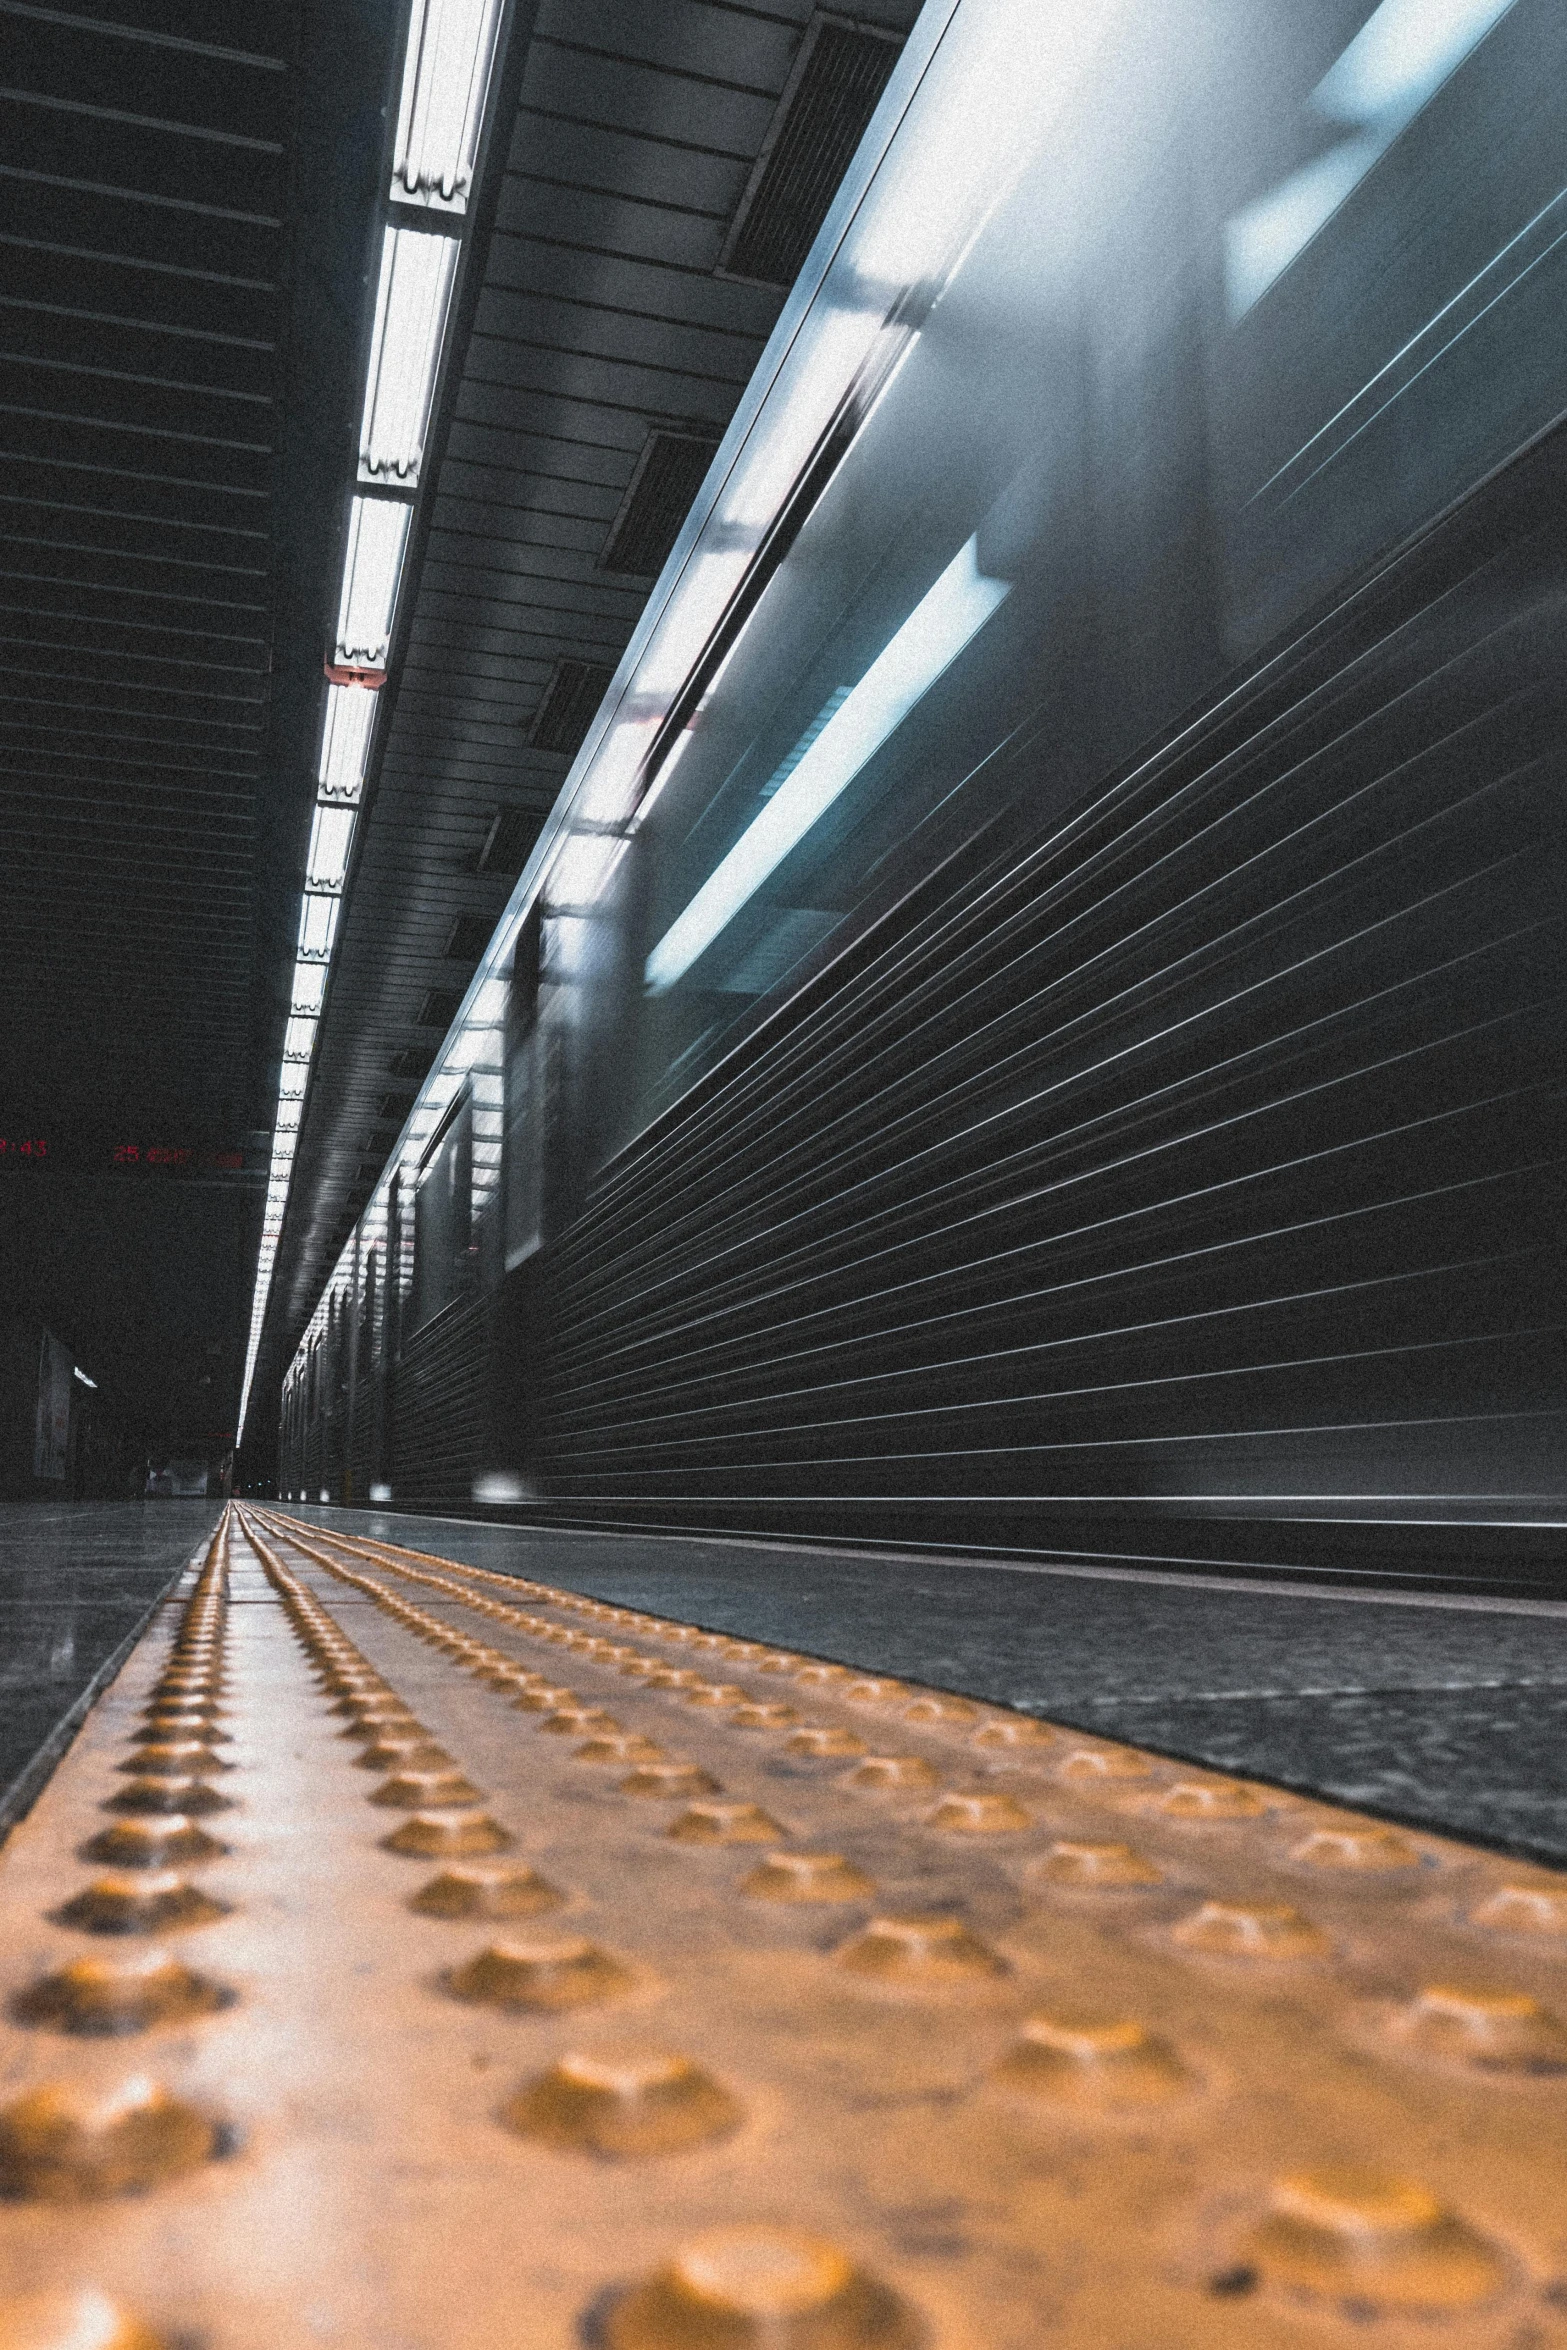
x=445, y=74
x=331, y=837
x=345, y=740
x=412, y=299
x=377, y=534
x=299, y=1039
x=945, y=619
x=317, y=928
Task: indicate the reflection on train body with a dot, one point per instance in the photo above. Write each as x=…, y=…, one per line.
x=986, y=1045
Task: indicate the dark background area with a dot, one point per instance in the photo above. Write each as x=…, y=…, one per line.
x=183, y=259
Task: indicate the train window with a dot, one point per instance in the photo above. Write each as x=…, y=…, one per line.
x=524, y=1157
x=367, y=1314
x=396, y=1273
x=443, y=1209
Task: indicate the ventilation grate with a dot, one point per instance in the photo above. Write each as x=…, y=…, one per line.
x=508, y=841
x=838, y=79
x=669, y=473
x=469, y=936
x=573, y=694
x=439, y=1008
x=412, y=1062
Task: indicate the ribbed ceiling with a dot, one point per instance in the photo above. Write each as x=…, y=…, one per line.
x=604, y=355
x=164, y=563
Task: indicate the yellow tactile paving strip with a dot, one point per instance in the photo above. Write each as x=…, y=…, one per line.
x=519, y=1969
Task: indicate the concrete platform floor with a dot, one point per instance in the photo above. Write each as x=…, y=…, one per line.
x=1445, y=1712
x=77, y=1580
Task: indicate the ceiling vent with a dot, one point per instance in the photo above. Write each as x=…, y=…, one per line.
x=668, y=475
x=470, y=935
x=573, y=694
x=439, y=1008
x=508, y=841
x=412, y=1062
x=828, y=100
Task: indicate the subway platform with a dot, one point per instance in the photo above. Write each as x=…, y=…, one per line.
x=424, y=1950
x=1445, y=1710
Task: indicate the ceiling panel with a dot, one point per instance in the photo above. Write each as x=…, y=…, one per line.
x=596, y=319
x=173, y=384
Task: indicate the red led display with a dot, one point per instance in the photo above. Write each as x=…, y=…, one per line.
x=77, y=1156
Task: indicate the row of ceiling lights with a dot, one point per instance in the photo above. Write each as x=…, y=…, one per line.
x=841, y=335
x=974, y=122
x=446, y=74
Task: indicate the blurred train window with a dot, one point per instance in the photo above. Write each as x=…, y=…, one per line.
x=1394, y=272
x=442, y=1215
x=367, y=1313
x=524, y=1157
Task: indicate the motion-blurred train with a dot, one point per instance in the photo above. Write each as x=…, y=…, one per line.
x=1036, y=1021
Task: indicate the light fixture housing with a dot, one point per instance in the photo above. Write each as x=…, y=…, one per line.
x=377, y=536
x=331, y=837
x=413, y=297
x=345, y=743
x=317, y=926
x=446, y=74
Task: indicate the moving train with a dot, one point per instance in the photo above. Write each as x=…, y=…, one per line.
x=1035, y=1023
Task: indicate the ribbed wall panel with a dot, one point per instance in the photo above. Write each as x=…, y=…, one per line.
x=440, y=1407
x=361, y=1435
x=1196, y=1164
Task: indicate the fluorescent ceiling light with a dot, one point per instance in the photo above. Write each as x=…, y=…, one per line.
x=78, y=1373
x=317, y=928
x=930, y=640
x=331, y=836
x=445, y=73
x=299, y=1038
x=377, y=534
x=345, y=740
x=417, y=267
